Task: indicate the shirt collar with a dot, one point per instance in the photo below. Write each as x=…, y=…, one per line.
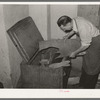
x=74, y=25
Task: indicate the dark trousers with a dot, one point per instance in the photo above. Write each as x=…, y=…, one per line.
x=88, y=81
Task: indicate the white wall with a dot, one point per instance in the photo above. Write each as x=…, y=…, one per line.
x=39, y=15
x=12, y=14
x=90, y=12
x=56, y=12
x=4, y=54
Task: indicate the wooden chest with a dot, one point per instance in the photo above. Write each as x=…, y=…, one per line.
x=26, y=37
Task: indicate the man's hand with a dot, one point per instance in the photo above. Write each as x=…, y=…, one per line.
x=82, y=53
x=57, y=65
x=66, y=37
x=73, y=55
x=65, y=63
x=44, y=62
x=69, y=35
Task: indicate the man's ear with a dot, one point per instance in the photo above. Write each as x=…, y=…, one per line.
x=61, y=27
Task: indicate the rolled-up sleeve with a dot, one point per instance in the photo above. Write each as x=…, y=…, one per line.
x=85, y=35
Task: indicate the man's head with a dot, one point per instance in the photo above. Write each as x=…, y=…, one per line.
x=65, y=23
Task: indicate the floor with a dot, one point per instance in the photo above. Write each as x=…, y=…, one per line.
x=73, y=83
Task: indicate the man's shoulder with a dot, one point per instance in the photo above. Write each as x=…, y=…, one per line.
x=79, y=18
x=81, y=22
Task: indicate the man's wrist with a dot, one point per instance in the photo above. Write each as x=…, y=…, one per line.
x=76, y=52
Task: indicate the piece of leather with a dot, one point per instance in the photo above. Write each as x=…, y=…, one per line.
x=66, y=47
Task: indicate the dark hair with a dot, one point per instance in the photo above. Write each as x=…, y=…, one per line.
x=63, y=20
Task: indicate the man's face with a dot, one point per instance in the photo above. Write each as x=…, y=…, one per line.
x=67, y=28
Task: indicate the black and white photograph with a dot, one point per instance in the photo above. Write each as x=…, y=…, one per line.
x=50, y=46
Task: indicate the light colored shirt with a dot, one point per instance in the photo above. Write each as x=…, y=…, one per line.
x=85, y=29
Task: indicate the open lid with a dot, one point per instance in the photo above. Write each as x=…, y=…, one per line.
x=25, y=36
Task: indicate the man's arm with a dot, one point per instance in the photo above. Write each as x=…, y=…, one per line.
x=57, y=65
x=81, y=49
x=85, y=37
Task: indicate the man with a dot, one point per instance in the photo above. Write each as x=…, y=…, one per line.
x=90, y=43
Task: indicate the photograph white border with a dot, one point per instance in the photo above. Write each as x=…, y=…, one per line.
x=50, y=93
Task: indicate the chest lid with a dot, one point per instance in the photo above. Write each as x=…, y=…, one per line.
x=25, y=36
